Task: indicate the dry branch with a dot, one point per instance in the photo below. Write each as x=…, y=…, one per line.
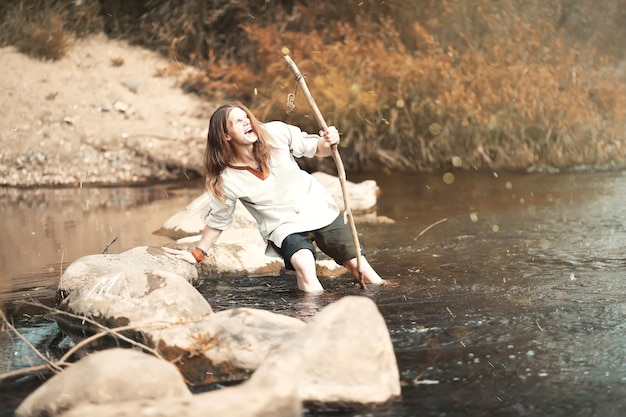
x=63, y=362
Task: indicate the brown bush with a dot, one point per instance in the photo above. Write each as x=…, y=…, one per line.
x=519, y=93
x=44, y=28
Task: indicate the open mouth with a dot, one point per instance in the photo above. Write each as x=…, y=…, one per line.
x=248, y=131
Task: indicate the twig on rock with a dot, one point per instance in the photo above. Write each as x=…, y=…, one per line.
x=106, y=248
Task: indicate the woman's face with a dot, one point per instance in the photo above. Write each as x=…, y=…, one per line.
x=240, y=131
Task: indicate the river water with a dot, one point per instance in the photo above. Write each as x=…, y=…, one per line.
x=508, y=294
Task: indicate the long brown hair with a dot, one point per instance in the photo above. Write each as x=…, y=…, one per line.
x=219, y=153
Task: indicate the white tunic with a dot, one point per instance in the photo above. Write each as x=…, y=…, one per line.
x=288, y=201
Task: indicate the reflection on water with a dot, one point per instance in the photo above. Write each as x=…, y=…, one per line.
x=46, y=229
x=511, y=304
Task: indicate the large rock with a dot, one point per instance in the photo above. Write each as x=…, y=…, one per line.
x=227, y=346
x=141, y=298
x=110, y=376
x=362, y=196
x=343, y=358
x=242, y=253
x=167, y=314
x=245, y=400
x=190, y=221
x=240, y=250
x=87, y=269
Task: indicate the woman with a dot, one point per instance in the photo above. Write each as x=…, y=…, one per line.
x=254, y=163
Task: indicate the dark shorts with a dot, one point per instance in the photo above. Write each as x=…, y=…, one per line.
x=335, y=240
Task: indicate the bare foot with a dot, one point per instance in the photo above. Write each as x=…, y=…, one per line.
x=373, y=280
x=379, y=281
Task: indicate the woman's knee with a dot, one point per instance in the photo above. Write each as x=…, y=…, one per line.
x=302, y=258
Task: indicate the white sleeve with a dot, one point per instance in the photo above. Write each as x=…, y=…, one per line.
x=221, y=215
x=300, y=143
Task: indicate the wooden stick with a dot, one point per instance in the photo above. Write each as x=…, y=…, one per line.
x=340, y=168
x=431, y=226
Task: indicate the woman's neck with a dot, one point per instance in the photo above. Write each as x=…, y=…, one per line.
x=245, y=157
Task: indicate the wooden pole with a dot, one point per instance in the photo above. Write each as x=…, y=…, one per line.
x=340, y=168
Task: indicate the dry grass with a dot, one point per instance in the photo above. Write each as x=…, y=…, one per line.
x=45, y=28
x=514, y=97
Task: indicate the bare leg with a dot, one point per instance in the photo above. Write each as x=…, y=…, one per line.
x=303, y=262
x=369, y=275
